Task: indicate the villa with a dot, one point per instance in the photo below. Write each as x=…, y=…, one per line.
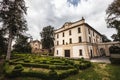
x=78, y=39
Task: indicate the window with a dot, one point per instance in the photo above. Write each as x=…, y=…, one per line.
x=57, y=42
x=63, y=34
x=57, y=52
x=93, y=33
x=89, y=31
x=90, y=39
x=79, y=30
x=63, y=42
x=57, y=35
x=80, y=52
x=80, y=39
x=70, y=41
x=69, y=32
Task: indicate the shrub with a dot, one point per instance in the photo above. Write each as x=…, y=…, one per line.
x=67, y=73
x=115, y=60
x=6, y=67
x=84, y=65
x=52, y=67
x=31, y=73
x=53, y=75
x=114, y=50
x=26, y=60
x=17, y=70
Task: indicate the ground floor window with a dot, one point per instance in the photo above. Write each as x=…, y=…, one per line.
x=80, y=52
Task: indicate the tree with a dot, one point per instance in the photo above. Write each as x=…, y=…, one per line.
x=47, y=36
x=113, y=16
x=3, y=43
x=105, y=39
x=22, y=45
x=12, y=16
x=115, y=37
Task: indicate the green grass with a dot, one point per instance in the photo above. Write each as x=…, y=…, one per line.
x=98, y=71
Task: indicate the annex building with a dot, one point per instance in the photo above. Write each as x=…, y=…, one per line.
x=78, y=39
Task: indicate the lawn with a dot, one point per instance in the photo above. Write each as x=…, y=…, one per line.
x=98, y=71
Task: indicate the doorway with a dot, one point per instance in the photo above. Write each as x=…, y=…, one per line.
x=67, y=53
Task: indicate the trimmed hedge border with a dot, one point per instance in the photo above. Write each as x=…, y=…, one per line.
x=68, y=73
x=44, y=76
x=46, y=66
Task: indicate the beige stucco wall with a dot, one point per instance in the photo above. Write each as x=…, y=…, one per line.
x=85, y=45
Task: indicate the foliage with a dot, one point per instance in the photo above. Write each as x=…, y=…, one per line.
x=56, y=68
x=47, y=36
x=105, y=39
x=21, y=45
x=113, y=16
x=114, y=50
x=115, y=60
x=3, y=43
x=53, y=75
x=67, y=73
x=13, y=21
x=84, y=65
x=115, y=37
x=17, y=70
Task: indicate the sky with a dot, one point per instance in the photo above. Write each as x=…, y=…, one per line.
x=42, y=13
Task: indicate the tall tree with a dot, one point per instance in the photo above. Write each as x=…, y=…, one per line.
x=3, y=43
x=22, y=45
x=47, y=36
x=113, y=16
x=12, y=16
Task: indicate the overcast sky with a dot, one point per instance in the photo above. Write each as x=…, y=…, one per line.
x=42, y=13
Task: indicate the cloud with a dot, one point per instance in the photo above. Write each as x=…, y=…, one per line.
x=42, y=13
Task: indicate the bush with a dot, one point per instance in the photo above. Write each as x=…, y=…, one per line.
x=35, y=74
x=115, y=60
x=85, y=64
x=114, y=50
x=26, y=60
x=6, y=67
x=53, y=75
x=17, y=70
x=67, y=73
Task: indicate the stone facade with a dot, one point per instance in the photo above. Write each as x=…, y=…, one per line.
x=78, y=39
x=36, y=46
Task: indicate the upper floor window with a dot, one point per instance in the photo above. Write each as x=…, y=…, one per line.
x=80, y=39
x=93, y=33
x=69, y=32
x=57, y=35
x=90, y=39
x=63, y=42
x=79, y=30
x=63, y=34
x=70, y=41
x=80, y=52
x=89, y=31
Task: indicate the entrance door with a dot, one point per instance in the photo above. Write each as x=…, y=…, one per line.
x=67, y=53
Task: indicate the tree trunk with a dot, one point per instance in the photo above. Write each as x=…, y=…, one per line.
x=9, y=47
